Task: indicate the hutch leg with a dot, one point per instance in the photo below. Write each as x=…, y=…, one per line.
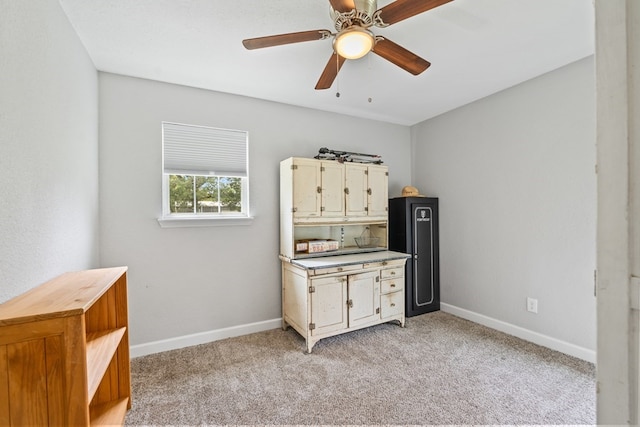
x=310, y=343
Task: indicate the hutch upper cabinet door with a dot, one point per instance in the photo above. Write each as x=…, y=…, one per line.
x=378, y=190
x=332, y=179
x=356, y=189
x=306, y=187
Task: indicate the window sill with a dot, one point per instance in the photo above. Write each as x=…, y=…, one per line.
x=190, y=221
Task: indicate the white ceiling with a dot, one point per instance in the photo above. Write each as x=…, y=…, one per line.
x=476, y=47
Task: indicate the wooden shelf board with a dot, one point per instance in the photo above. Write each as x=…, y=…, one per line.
x=66, y=295
x=101, y=346
x=109, y=413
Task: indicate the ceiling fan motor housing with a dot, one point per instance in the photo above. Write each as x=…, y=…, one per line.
x=367, y=6
x=361, y=15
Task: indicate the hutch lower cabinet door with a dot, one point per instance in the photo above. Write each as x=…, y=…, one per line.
x=328, y=310
x=364, y=298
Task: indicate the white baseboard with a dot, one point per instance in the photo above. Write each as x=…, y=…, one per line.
x=525, y=334
x=202, y=337
x=236, y=331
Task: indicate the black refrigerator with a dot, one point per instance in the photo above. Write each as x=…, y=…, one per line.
x=413, y=229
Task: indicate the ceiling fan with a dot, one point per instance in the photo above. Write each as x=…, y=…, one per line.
x=354, y=39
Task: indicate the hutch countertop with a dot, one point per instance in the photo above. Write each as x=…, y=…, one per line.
x=343, y=260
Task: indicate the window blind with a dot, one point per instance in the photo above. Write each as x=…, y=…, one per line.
x=201, y=150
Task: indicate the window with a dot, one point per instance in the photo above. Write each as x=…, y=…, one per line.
x=205, y=172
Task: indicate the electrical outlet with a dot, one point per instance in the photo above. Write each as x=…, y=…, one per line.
x=532, y=305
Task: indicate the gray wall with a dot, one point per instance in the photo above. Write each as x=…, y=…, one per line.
x=48, y=147
x=515, y=174
x=190, y=280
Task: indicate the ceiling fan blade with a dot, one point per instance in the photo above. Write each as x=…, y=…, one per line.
x=280, y=39
x=330, y=71
x=342, y=5
x=403, y=9
x=400, y=56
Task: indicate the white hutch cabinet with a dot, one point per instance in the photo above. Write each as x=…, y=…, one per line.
x=347, y=287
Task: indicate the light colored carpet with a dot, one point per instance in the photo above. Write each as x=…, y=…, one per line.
x=440, y=369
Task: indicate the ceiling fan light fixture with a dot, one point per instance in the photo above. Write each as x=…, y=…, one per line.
x=353, y=42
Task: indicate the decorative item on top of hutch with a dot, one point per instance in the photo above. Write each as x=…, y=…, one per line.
x=337, y=274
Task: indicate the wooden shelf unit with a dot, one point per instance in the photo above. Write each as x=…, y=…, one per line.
x=64, y=352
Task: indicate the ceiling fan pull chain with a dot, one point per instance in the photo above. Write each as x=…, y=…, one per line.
x=370, y=79
x=337, y=76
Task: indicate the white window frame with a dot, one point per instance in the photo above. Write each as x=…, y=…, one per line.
x=170, y=219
